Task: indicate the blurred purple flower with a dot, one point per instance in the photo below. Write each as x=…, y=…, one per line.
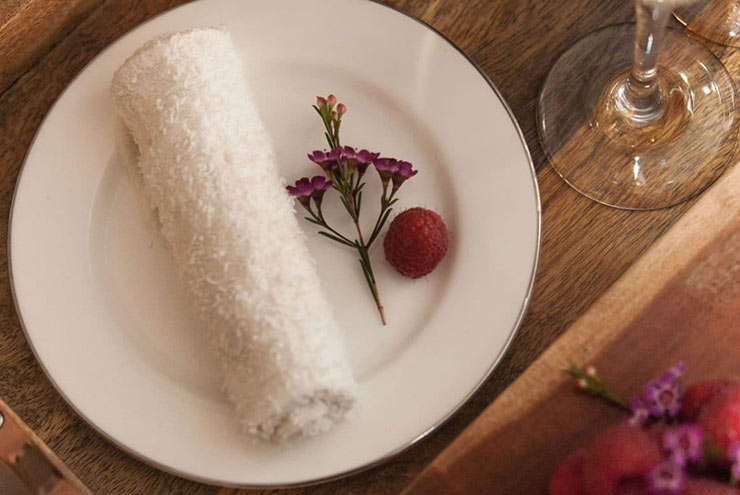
x=674, y=373
x=662, y=398
x=663, y=395
x=666, y=478
x=684, y=443
x=733, y=454
x=640, y=412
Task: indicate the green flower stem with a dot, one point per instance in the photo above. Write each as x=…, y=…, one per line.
x=367, y=267
x=324, y=224
x=385, y=211
x=595, y=386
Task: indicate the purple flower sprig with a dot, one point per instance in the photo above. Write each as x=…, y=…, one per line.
x=344, y=169
x=660, y=398
x=588, y=380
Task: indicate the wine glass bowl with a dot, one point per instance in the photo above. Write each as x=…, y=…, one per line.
x=652, y=125
x=715, y=20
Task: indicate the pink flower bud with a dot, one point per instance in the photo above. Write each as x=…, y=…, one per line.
x=320, y=101
x=332, y=100
x=342, y=108
x=590, y=371
x=582, y=383
x=334, y=115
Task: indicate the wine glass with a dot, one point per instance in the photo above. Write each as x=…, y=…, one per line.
x=638, y=116
x=715, y=20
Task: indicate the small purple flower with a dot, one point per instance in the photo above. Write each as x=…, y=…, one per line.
x=640, y=412
x=358, y=160
x=684, y=443
x=733, y=454
x=302, y=191
x=306, y=188
x=366, y=156
x=386, y=168
x=404, y=172
x=666, y=478
x=335, y=154
x=319, y=185
x=386, y=165
x=323, y=160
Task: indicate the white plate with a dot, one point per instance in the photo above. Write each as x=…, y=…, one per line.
x=100, y=303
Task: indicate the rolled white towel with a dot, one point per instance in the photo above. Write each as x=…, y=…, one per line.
x=208, y=168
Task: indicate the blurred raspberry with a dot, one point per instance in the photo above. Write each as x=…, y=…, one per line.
x=708, y=487
x=619, y=461
x=568, y=478
x=720, y=417
x=698, y=395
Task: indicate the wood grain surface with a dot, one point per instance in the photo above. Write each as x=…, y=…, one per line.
x=585, y=246
x=29, y=28
x=679, y=302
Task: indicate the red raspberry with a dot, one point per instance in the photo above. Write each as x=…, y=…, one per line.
x=698, y=395
x=619, y=460
x=709, y=487
x=416, y=241
x=720, y=417
x=568, y=478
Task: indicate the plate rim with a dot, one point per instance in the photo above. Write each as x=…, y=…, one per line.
x=346, y=473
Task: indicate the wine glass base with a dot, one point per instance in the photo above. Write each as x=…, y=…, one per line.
x=617, y=161
x=715, y=20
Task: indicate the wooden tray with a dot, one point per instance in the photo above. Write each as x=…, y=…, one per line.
x=679, y=302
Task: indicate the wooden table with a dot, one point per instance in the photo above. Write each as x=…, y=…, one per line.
x=585, y=246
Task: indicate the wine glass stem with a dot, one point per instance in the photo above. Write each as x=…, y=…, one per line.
x=642, y=100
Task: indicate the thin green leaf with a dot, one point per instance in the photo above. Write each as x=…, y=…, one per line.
x=312, y=220
x=379, y=226
x=335, y=238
